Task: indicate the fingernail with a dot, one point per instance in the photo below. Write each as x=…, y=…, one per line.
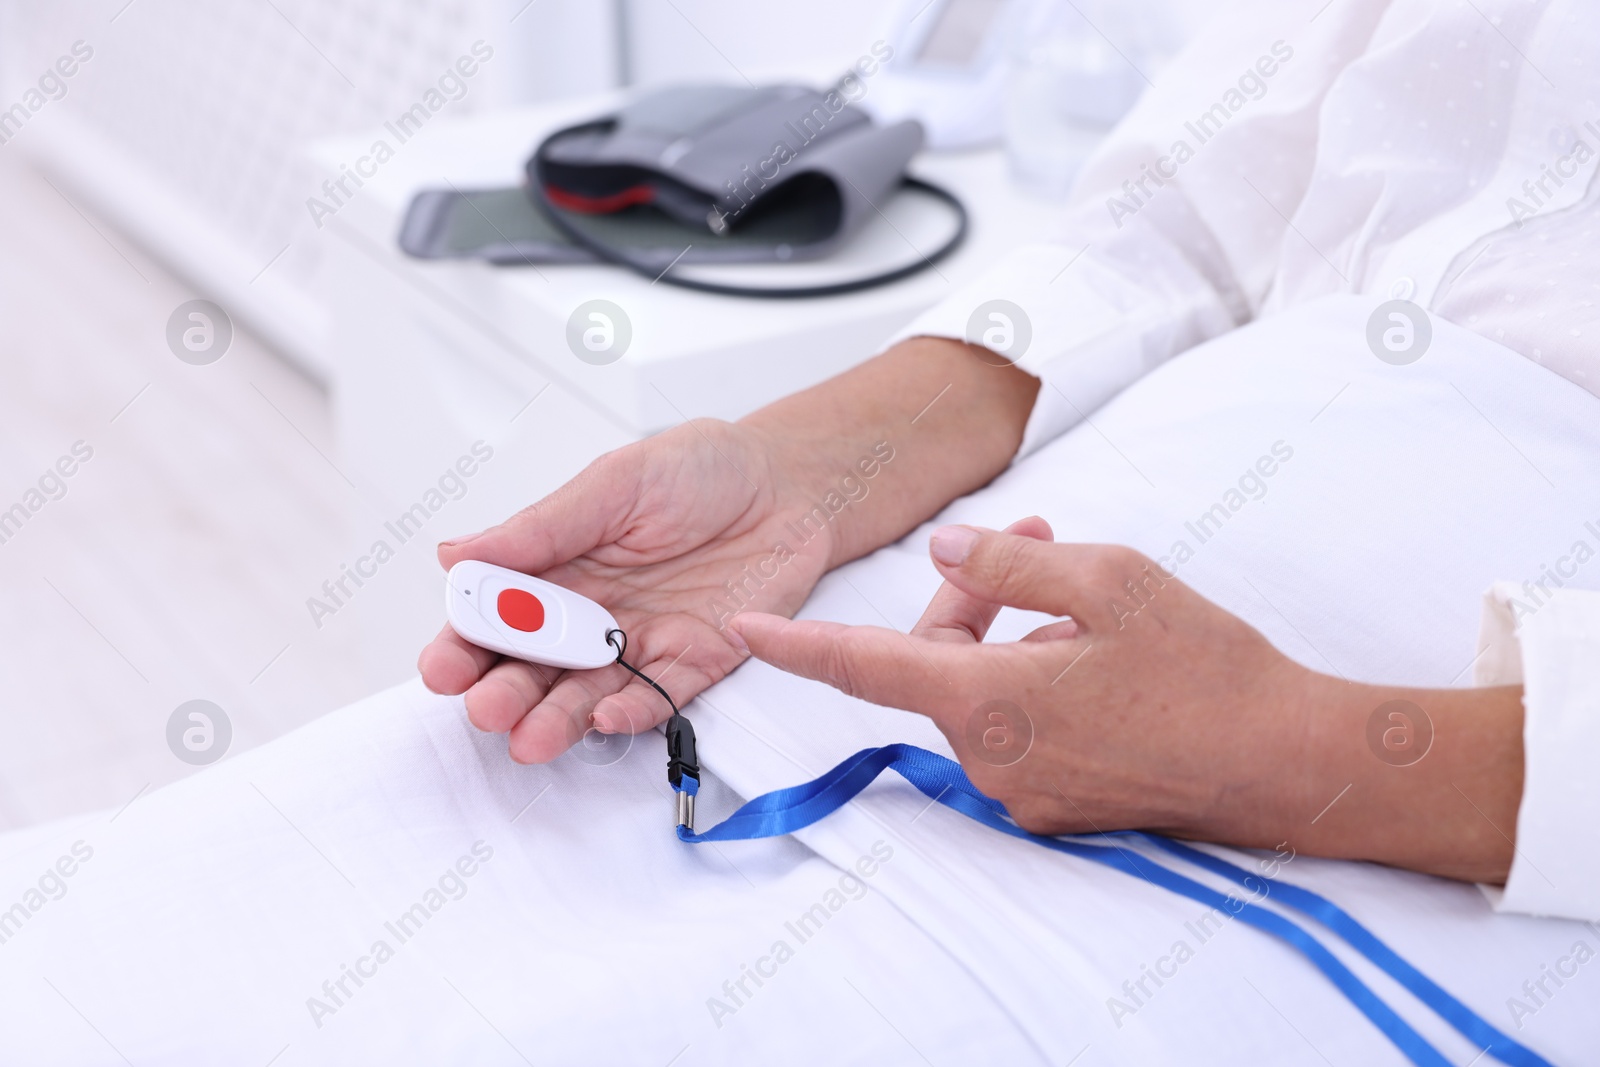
x=602, y=723
x=950, y=545
x=463, y=539
x=736, y=639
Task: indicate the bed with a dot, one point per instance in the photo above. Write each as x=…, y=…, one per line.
x=386, y=886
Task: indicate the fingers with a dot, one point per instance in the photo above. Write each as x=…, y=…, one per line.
x=875, y=664
x=546, y=710
x=506, y=693
x=450, y=665
x=639, y=707
x=569, y=522
x=560, y=720
x=1060, y=630
x=956, y=615
x=1059, y=579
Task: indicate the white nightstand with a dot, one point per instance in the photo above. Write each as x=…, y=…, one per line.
x=429, y=357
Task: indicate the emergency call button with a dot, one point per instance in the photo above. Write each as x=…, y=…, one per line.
x=520, y=610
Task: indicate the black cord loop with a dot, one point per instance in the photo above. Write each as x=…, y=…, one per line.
x=612, y=639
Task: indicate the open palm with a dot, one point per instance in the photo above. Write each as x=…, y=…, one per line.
x=672, y=535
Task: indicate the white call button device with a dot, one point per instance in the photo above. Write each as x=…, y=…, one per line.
x=527, y=618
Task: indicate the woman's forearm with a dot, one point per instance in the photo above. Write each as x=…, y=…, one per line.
x=952, y=419
x=1429, y=779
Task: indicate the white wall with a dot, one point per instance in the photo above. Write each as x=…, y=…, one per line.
x=685, y=39
x=186, y=127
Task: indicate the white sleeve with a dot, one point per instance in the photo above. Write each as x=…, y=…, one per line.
x=1550, y=642
x=1173, y=233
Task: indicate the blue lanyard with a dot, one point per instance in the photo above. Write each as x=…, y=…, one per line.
x=787, y=810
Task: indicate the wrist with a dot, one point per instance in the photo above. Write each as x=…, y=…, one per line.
x=1319, y=767
x=1261, y=799
x=913, y=428
x=806, y=472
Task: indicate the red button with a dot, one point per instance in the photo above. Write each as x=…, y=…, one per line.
x=520, y=609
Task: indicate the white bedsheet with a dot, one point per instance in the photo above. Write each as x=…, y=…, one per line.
x=210, y=912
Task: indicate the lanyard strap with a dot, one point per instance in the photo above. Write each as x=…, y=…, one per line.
x=787, y=810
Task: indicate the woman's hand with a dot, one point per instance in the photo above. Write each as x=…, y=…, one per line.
x=1152, y=708
x=677, y=532
x=672, y=535
x=1168, y=715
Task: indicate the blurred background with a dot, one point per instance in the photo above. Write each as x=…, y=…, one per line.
x=208, y=542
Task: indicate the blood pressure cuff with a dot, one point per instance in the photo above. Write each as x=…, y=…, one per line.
x=759, y=174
